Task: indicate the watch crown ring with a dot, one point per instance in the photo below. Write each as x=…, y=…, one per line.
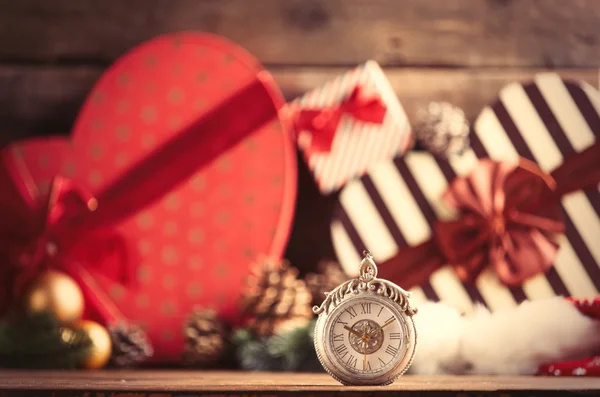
x=368, y=268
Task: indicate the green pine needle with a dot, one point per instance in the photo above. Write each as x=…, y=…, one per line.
x=242, y=336
x=292, y=351
x=254, y=356
x=38, y=341
x=291, y=347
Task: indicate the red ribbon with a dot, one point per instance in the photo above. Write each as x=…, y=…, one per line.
x=509, y=217
x=323, y=123
x=72, y=231
x=46, y=241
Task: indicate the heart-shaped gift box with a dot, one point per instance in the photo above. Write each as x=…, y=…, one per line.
x=516, y=217
x=181, y=147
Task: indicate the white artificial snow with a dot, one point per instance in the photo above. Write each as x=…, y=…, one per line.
x=508, y=342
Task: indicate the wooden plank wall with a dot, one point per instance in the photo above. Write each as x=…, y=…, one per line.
x=462, y=51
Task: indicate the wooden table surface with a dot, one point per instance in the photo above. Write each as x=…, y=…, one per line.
x=176, y=383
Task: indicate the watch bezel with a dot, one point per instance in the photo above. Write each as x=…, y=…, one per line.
x=346, y=377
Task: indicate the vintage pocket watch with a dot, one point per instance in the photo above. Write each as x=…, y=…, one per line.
x=365, y=334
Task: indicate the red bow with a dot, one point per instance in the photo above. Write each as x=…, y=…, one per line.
x=75, y=232
x=509, y=218
x=48, y=235
x=323, y=123
x=502, y=222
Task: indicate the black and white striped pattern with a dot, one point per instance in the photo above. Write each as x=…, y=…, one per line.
x=397, y=203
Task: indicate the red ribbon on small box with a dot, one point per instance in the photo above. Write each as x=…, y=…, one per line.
x=509, y=218
x=323, y=123
x=72, y=230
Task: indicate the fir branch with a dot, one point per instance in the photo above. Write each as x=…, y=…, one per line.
x=38, y=341
x=292, y=351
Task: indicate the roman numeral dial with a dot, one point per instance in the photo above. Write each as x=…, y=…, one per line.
x=365, y=333
x=366, y=337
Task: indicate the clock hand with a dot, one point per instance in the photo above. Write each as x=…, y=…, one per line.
x=388, y=323
x=353, y=331
x=365, y=360
x=380, y=328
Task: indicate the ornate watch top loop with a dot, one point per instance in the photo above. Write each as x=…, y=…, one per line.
x=366, y=282
x=368, y=268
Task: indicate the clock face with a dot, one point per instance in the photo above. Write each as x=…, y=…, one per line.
x=367, y=338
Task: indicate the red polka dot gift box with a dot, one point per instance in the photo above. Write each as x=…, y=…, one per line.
x=178, y=173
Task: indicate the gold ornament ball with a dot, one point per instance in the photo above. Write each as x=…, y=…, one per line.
x=101, y=349
x=57, y=293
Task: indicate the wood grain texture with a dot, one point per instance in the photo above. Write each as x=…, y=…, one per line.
x=539, y=33
x=226, y=382
x=471, y=89
x=42, y=100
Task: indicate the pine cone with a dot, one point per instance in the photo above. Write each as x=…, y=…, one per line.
x=328, y=276
x=275, y=299
x=443, y=129
x=130, y=345
x=206, y=338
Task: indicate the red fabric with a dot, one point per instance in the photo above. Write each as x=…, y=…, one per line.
x=589, y=366
x=584, y=367
x=588, y=306
x=323, y=123
x=194, y=175
x=509, y=217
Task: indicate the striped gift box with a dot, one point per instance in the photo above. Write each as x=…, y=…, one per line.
x=357, y=145
x=396, y=203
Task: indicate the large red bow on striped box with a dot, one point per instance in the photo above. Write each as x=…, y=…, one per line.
x=509, y=216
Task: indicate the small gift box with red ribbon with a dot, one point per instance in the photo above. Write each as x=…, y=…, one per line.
x=349, y=124
x=516, y=217
x=177, y=175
